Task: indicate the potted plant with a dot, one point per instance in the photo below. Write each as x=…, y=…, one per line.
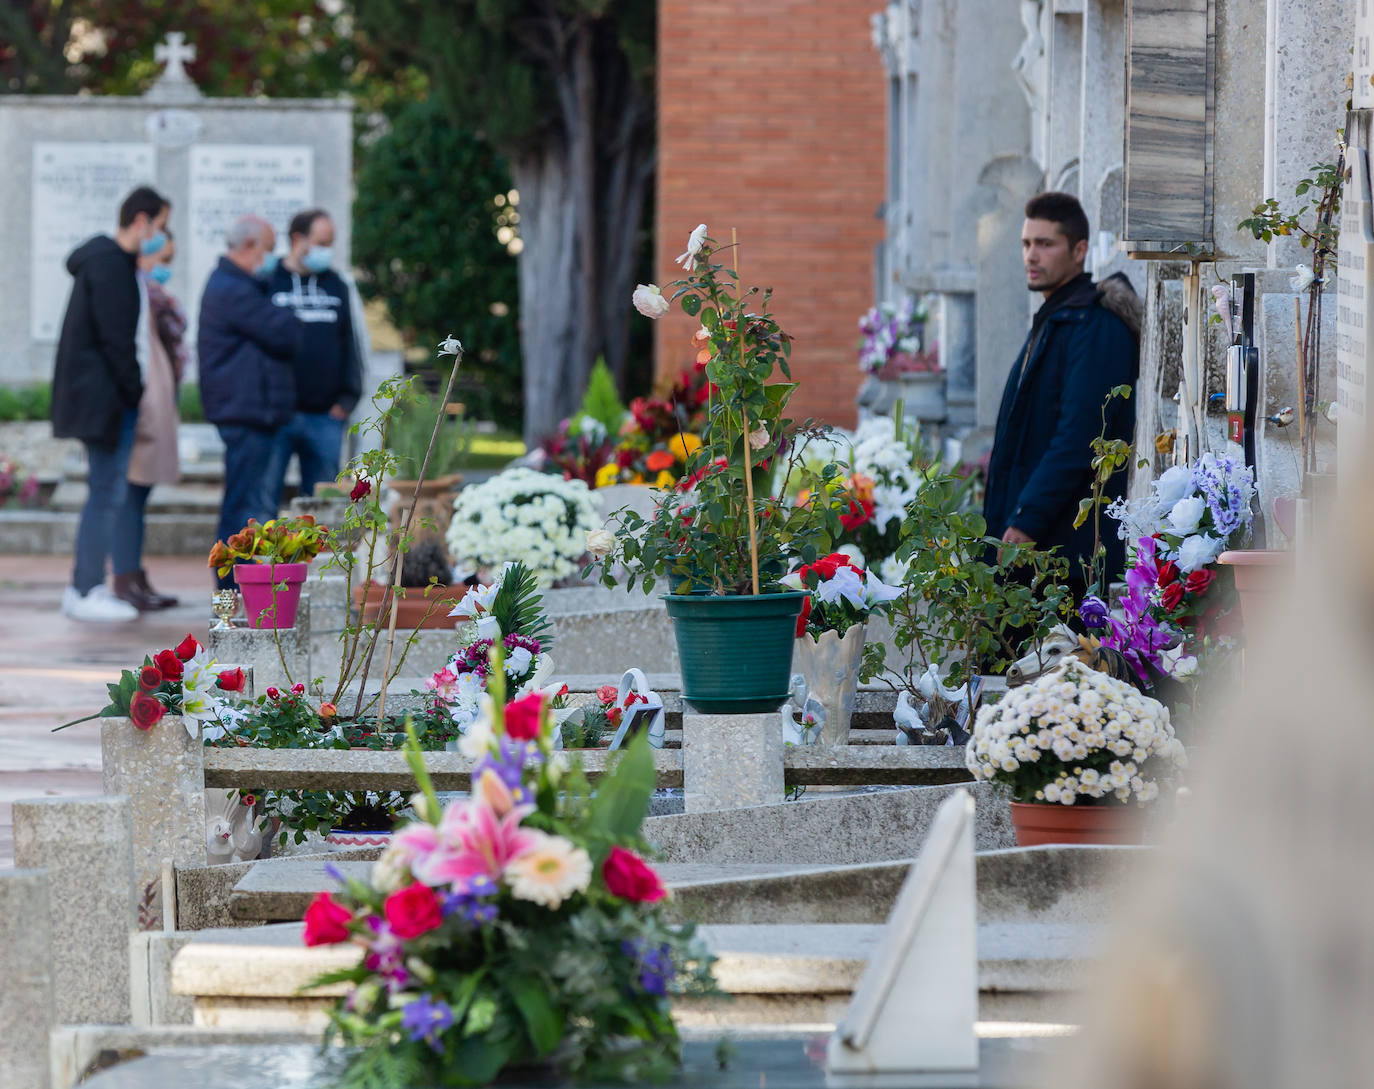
x=270, y=563
x=830, y=634
x=426, y=575
x=1074, y=748
x=516, y=927
x=725, y=535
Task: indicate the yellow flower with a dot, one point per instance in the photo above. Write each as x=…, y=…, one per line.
x=684, y=446
x=638, y=478
x=607, y=475
x=665, y=479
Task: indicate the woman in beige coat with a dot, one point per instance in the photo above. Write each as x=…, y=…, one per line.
x=162, y=325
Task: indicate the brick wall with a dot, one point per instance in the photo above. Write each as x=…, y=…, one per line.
x=771, y=119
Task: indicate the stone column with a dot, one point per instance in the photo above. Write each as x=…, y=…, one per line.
x=162, y=771
x=85, y=844
x=731, y=761
x=26, y=998
x=266, y=649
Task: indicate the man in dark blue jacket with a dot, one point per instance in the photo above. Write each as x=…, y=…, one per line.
x=245, y=348
x=1083, y=342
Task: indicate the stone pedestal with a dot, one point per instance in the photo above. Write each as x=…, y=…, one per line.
x=162, y=771
x=26, y=999
x=731, y=761
x=279, y=657
x=85, y=844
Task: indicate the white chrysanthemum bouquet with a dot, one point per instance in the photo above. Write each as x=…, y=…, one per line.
x=1075, y=736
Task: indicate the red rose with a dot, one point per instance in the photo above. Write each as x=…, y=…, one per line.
x=298, y=689
x=273, y=694
x=857, y=513
x=186, y=649
x=412, y=911
x=1167, y=574
x=232, y=680
x=1172, y=596
x=361, y=490
x=149, y=677
x=326, y=923
x=145, y=710
x=169, y=665
x=804, y=617
x=523, y=715
x=826, y=566
x=631, y=878
x=1198, y=581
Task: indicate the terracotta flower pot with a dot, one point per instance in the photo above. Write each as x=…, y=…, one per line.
x=1045, y=822
x=411, y=611
x=1260, y=573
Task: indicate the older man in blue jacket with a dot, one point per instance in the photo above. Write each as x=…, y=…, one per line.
x=245, y=349
x=1083, y=342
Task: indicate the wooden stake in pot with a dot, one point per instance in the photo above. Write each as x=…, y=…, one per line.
x=744, y=420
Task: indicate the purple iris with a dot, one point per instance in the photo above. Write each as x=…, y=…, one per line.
x=472, y=902
x=508, y=762
x=1094, y=611
x=426, y=1019
x=654, y=964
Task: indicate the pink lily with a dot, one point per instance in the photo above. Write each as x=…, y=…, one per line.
x=476, y=842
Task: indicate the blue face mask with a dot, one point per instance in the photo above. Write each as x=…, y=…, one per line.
x=268, y=266
x=161, y=273
x=318, y=259
x=150, y=246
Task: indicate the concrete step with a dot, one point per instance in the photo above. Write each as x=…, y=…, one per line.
x=47, y=532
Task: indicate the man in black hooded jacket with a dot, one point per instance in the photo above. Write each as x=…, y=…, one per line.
x=97, y=385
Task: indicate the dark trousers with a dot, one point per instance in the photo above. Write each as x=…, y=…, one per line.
x=316, y=439
x=107, y=467
x=126, y=550
x=248, y=490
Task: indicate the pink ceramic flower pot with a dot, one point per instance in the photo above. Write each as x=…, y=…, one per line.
x=271, y=592
x=1260, y=573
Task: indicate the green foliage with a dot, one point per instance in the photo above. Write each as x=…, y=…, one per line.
x=189, y=407
x=519, y=605
x=601, y=402
x=32, y=402
x=1110, y=456
x=967, y=593
x=1268, y=221
x=424, y=241
x=412, y=428
x=585, y=728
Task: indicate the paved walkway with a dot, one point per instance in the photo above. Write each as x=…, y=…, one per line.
x=53, y=670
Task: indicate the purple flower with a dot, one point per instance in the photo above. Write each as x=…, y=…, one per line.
x=508, y=762
x=654, y=964
x=384, y=956
x=426, y=1019
x=472, y=901
x=1094, y=611
x=529, y=643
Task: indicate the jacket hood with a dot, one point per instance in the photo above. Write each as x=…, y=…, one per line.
x=99, y=246
x=1119, y=298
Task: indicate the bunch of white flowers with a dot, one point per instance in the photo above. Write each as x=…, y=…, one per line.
x=889, y=462
x=520, y=514
x=1075, y=733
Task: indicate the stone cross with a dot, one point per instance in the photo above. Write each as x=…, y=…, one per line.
x=175, y=52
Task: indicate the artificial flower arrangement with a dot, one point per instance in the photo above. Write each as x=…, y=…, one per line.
x=297, y=539
x=1075, y=737
x=593, y=724
x=1178, y=604
x=509, y=614
x=728, y=527
x=516, y=926
x=891, y=340
x=840, y=595
x=520, y=514
x=17, y=487
x=183, y=681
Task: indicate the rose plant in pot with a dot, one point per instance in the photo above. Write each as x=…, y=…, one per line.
x=270, y=562
x=1080, y=751
x=724, y=536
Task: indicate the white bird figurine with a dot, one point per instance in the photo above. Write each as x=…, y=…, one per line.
x=908, y=719
x=801, y=731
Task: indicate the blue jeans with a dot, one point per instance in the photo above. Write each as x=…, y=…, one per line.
x=316, y=439
x=126, y=550
x=247, y=486
x=107, y=467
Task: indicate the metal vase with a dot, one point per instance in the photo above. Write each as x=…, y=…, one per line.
x=830, y=665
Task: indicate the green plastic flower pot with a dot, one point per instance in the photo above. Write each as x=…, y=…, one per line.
x=735, y=652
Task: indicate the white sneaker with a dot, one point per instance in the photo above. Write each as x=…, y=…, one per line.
x=98, y=606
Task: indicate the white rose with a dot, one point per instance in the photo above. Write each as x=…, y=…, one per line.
x=1185, y=515
x=600, y=542
x=1173, y=484
x=649, y=301
x=1198, y=551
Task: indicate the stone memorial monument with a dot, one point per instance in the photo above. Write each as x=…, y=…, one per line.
x=71, y=159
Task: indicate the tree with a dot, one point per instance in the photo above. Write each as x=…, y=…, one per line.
x=424, y=240
x=564, y=90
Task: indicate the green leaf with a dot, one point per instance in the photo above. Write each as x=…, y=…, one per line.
x=541, y=1018
x=1085, y=508
x=622, y=797
x=691, y=305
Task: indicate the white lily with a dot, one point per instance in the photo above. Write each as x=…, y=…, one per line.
x=877, y=592
x=846, y=584
x=695, y=241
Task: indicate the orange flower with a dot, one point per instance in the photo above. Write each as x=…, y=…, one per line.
x=704, y=356
x=861, y=486
x=658, y=460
